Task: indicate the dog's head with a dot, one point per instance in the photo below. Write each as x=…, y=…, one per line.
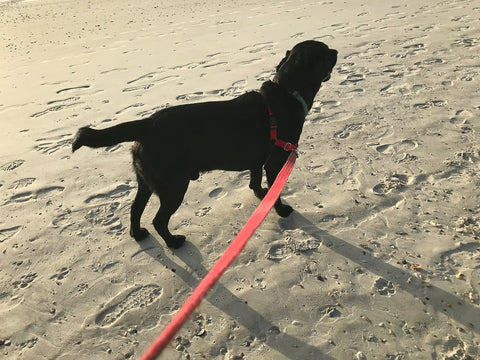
x=306, y=66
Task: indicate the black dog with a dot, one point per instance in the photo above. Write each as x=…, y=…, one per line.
x=252, y=131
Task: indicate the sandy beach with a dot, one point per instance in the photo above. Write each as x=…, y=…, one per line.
x=381, y=257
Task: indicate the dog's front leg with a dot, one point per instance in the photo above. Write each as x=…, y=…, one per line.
x=272, y=167
x=256, y=182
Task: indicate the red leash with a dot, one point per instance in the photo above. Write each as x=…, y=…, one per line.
x=233, y=250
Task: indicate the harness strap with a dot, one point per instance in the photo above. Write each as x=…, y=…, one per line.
x=273, y=133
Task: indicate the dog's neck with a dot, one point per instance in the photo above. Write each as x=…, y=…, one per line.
x=297, y=95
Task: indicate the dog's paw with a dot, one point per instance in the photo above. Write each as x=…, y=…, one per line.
x=283, y=210
x=260, y=193
x=139, y=234
x=175, y=242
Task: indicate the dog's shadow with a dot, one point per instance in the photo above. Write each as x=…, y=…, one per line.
x=258, y=325
x=236, y=308
x=440, y=300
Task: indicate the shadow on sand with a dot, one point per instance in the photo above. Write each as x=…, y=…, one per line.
x=286, y=344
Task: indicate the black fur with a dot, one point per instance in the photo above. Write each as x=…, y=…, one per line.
x=175, y=144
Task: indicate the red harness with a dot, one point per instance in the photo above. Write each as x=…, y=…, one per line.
x=273, y=134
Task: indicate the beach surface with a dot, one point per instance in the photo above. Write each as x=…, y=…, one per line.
x=381, y=257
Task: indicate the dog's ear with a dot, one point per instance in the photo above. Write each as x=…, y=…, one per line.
x=283, y=60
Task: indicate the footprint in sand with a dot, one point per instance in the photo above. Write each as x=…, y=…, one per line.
x=391, y=183
x=64, y=222
x=30, y=343
x=347, y=130
x=430, y=104
x=129, y=107
x=12, y=165
x=105, y=215
x=466, y=43
x=276, y=252
x=51, y=145
x=20, y=197
x=81, y=87
x=461, y=117
x=415, y=48
x=346, y=67
x=350, y=56
x=329, y=311
x=220, y=63
x=34, y=195
x=203, y=212
x=217, y=193
x=143, y=77
x=298, y=241
x=345, y=170
x=189, y=66
x=384, y=287
x=241, y=180
x=128, y=300
x=21, y=183
x=264, y=76
x=146, y=113
x=119, y=192
x=71, y=99
x=429, y=62
x=138, y=87
x=393, y=70
x=113, y=70
x=151, y=81
x=297, y=35
x=401, y=146
x=260, y=47
x=237, y=89
x=470, y=76
x=190, y=97
x=454, y=348
x=325, y=38
x=382, y=131
x=48, y=190
x=250, y=61
x=456, y=258
x=239, y=83
x=353, y=79
x=61, y=105
x=215, y=54
x=330, y=103
x=60, y=275
x=25, y=281
x=468, y=225
x=406, y=88
x=8, y=233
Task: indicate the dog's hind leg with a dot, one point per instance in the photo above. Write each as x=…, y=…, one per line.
x=171, y=193
x=143, y=194
x=256, y=182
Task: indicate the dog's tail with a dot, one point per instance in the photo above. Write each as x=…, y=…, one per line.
x=130, y=131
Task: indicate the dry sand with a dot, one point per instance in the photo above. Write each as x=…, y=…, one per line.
x=381, y=258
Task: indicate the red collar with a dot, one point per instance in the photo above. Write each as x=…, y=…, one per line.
x=273, y=134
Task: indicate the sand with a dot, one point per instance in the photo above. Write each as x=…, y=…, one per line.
x=381, y=258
